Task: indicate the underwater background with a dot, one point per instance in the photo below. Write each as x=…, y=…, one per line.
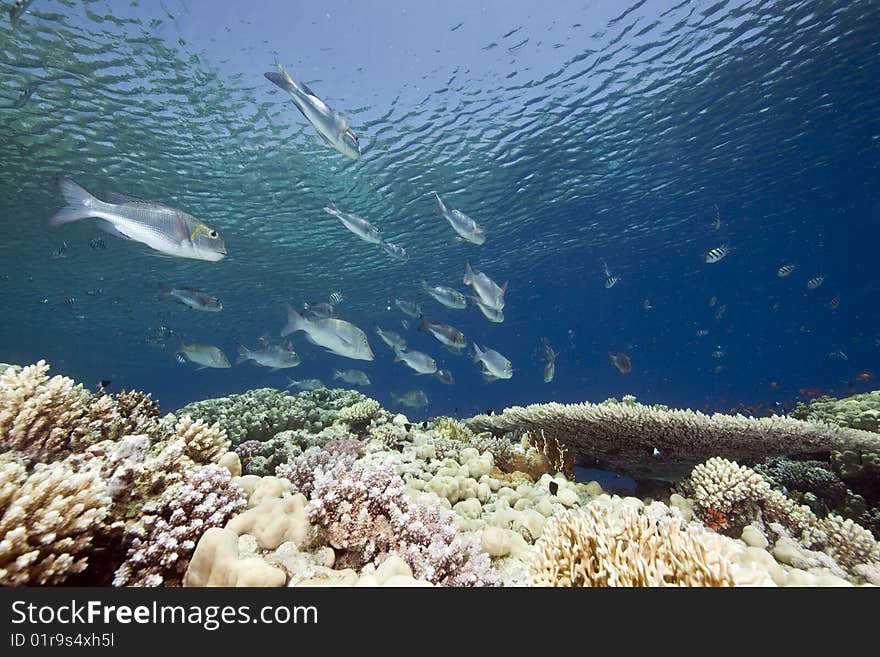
x=640, y=135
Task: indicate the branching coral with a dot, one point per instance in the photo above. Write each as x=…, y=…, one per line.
x=47, y=521
x=655, y=441
x=366, y=512
x=207, y=498
x=204, y=443
x=605, y=546
x=358, y=415
x=302, y=470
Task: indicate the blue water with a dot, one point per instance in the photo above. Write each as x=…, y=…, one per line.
x=574, y=132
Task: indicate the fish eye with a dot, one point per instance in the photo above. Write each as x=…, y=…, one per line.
x=213, y=234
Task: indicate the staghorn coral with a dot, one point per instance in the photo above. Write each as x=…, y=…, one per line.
x=366, y=513
x=653, y=441
x=48, y=520
x=603, y=546
x=205, y=499
x=302, y=470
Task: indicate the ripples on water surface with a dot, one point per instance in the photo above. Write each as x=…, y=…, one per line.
x=574, y=133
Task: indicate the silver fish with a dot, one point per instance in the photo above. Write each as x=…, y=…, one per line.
x=491, y=314
x=195, y=299
x=335, y=335
x=204, y=355
x=395, y=251
x=490, y=294
x=445, y=376
x=419, y=362
x=550, y=356
x=392, y=339
x=444, y=333
x=410, y=308
x=167, y=230
x=621, y=361
x=467, y=228
x=330, y=125
x=413, y=399
x=715, y=255
x=785, y=270
x=495, y=366
x=356, y=224
x=447, y=296
x=276, y=357
x=815, y=282
x=352, y=377
x=305, y=384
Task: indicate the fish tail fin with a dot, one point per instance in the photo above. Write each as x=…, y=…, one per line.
x=441, y=207
x=468, y=272
x=80, y=204
x=295, y=322
x=281, y=78
x=243, y=354
x=477, y=352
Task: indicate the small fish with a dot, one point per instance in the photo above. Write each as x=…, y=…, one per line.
x=97, y=244
x=719, y=352
x=494, y=365
x=410, y=308
x=553, y=487
x=335, y=298
x=276, y=357
x=60, y=252
x=18, y=8
x=24, y=96
x=785, y=270
x=444, y=333
x=104, y=383
x=195, y=299
x=305, y=384
x=610, y=280
x=204, y=355
x=834, y=303
x=621, y=361
x=413, y=399
x=838, y=355
x=404, y=323
x=491, y=314
x=717, y=254
x=489, y=293
x=467, y=228
x=447, y=296
x=701, y=333
x=550, y=356
x=321, y=310
x=352, y=377
x=815, y=282
x=392, y=339
x=335, y=335
x=647, y=304
x=712, y=301
x=395, y=251
x=656, y=453
x=721, y=310
x=330, y=125
x=419, y=362
x=356, y=224
x=865, y=375
x=167, y=230
x=445, y=376
x=716, y=224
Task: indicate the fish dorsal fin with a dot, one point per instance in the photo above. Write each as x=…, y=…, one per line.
x=119, y=199
x=305, y=87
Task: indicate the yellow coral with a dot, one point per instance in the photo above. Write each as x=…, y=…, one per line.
x=204, y=443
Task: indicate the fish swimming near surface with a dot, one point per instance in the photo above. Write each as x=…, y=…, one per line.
x=18, y=8
x=489, y=293
x=274, y=356
x=815, y=282
x=447, y=296
x=356, y=224
x=335, y=335
x=352, y=377
x=331, y=126
x=419, y=362
x=445, y=376
x=167, y=230
x=717, y=254
x=392, y=339
x=444, y=333
x=467, y=228
x=410, y=308
x=785, y=270
x=395, y=251
x=621, y=361
x=413, y=399
x=491, y=314
x=23, y=96
x=495, y=366
x=204, y=355
x=305, y=384
x=195, y=299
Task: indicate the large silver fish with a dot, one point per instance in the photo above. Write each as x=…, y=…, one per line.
x=419, y=362
x=490, y=293
x=195, y=299
x=413, y=399
x=449, y=297
x=495, y=366
x=392, y=339
x=330, y=125
x=335, y=335
x=167, y=230
x=204, y=355
x=352, y=377
x=305, y=384
x=444, y=333
x=491, y=314
x=462, y=224
x=274, y=356
x=356, y=224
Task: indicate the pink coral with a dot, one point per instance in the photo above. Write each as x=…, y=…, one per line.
x=207, y=498
x=366, y=512
x=301, y=471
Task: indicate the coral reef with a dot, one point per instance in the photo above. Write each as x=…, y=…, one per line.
x=653, y=441
x=302, y=470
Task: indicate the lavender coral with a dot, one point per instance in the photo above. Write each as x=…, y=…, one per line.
x=366, y=512
x=302, y=470
x=207, y=498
